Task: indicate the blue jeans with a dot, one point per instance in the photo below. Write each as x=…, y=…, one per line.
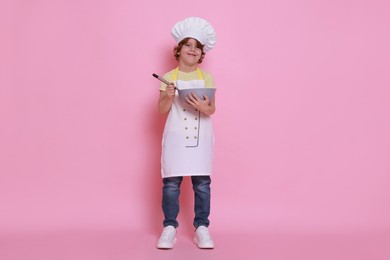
x=170, y=200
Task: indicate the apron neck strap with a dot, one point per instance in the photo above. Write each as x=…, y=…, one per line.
x=176, y=72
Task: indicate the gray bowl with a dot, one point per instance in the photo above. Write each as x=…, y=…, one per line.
x=209, y=92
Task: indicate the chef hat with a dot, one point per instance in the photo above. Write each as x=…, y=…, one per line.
x=196, y=28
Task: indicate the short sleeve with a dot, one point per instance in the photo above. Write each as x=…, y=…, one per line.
x=167, y=76
x=209, y=80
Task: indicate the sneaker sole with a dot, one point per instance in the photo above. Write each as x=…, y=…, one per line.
x=167, y=246
x=203, y=246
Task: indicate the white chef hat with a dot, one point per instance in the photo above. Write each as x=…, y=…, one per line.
x=196, y=28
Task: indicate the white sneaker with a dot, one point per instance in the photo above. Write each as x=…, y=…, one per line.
x=168, y=238
x=203, y=238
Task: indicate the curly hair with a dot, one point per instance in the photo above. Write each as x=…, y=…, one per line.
x=177, y=48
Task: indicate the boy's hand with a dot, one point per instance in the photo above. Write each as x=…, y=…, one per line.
x=200, y=104
x=170, y=90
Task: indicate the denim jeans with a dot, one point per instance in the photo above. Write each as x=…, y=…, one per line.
x=170, y=200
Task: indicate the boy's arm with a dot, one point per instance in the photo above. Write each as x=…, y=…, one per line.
x=166, y=99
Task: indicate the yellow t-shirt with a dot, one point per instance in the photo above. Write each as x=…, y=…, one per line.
x=208, y=78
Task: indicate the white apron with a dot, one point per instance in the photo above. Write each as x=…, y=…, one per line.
x=188, y=139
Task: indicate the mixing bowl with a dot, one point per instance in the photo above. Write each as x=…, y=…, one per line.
x=200, y=92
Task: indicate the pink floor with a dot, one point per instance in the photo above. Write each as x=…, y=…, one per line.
x=117, y=245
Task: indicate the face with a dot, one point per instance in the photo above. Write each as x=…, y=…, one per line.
x=190, y=53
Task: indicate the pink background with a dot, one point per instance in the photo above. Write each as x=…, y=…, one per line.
x=302, y=128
